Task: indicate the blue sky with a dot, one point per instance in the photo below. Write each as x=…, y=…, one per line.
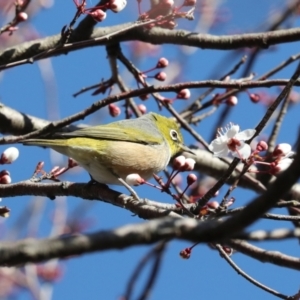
x=104, y=275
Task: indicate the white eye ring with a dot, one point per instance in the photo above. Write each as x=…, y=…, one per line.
x=174, y=135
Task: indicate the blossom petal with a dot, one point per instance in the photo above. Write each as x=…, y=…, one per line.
x=245, y=134
x=232, y=131
x=244, y=151
x=217, y=145
x=223, y=153
x=284, y=164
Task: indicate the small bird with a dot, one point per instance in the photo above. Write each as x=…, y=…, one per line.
x=142, y=146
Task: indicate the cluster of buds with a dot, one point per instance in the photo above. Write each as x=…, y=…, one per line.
x=281, y=158
x=183, y=94
x=160, y=76
x=20, y=16
x=183, y=164
x=99, y=12
x=166, y=8
x=7, y=157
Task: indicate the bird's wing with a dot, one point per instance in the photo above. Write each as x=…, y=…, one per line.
x=114, y=132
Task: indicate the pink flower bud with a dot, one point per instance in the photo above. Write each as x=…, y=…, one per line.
x=228, y=250
x=282, y=149
x=189, y=3
x=162, y=63
x=50, y=273
x=22, y=16
x=191, y=178
x=178, y=162
x=254, y=98
x=144, y=97
x=134, y=179
x=184, y=94
x=261, y=146
x=114, y=110
x=5, y=179
x=4, y=172
x=142, y=108
x=117, y=5
x=98, y=15
x=168, y=3
x=72, y=163
x=54, y=170
x=161, y=76
x=232, y=101
x=213, y=205
x=278, y=167
x=9, y=155
x=186, y=253
x=189, y=164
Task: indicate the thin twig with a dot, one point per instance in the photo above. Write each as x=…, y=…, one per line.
x=247, y=277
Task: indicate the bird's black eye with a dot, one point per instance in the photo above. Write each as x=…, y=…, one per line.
x=174, y=135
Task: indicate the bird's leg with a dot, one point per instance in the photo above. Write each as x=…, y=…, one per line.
x=130, y=189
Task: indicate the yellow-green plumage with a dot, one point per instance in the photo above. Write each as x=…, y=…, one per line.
x=108, y=152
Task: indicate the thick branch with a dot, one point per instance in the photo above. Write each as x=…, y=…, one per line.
x=103, y=36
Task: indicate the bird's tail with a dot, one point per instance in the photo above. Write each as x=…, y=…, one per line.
x=45, y=142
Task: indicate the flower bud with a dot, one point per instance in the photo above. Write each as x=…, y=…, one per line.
x=144, y=97
x=54, y=170
x=98, y=15
x=142, y=108
x=22, y=16
x=186, y=253
x=282, y=149
x=5, y=179
x=117, y=5
x=232, y=101
x=9, y=155
x=254, y=98
x=134, y=179
x=184, y=94
x=4, y=172
x=213, y=205
x=282, y=165
x=161, y=76
x=114, y=110
x=189, y=3
x=72, y=163
x=191, y=178
x=162, y=63
x=261, y=146
x=178, y=162
x=189, y=164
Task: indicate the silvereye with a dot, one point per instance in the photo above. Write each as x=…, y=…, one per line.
x=141, y=146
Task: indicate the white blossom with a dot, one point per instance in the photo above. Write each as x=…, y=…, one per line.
x=230, y=140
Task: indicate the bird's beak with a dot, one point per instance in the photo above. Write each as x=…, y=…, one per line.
x=184, y=148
